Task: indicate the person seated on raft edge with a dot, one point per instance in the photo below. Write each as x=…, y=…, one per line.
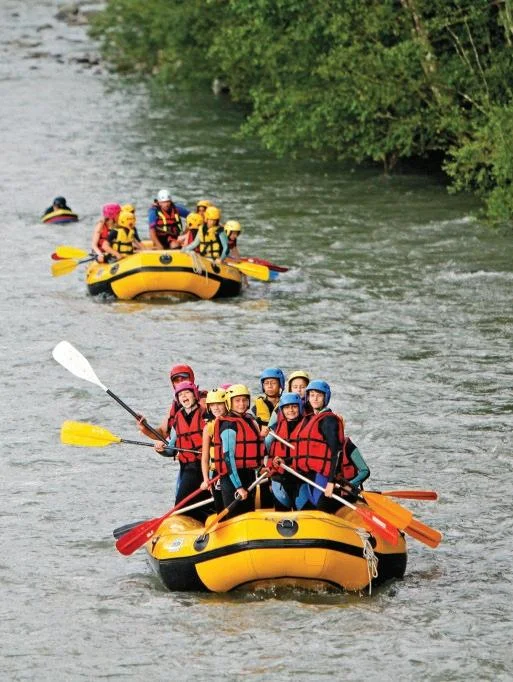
x=211, y=240
x=187, y=433
x=233, y=230
x=238, y=450
x=216, y=407
x=123, y=239
x=192, y=224
x=58, y=204
x=110, y=213
x=164, y=221
x=321, y=454
x=289, y=492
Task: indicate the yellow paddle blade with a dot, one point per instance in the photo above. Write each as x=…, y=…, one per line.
x=86, y=435
x=253, y=270
x=70, y=252
x=63, y=267
x=395, y=513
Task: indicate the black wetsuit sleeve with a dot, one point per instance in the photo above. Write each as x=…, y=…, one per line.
x=329, y=429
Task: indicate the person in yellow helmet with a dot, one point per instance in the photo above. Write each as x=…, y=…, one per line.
x=211, y=240
x=193, y=222
x=233, y=230
x=123, y=239
x=201, y=207
x=216, y=408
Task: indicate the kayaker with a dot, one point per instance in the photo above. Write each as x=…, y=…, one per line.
x=187, y=433
x=193, y=223
x=216, y=407
x=272, y=381
x=211, y=240
x=123, y=239
x=110, y=213
x=289, y=492
x=164, y=222
x=177, y=374
x=233, y=230
x=58, y=204
x=321, y=454
x=238, y=450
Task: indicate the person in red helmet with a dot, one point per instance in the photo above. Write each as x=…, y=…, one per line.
x=185, y=443
x=177, y=374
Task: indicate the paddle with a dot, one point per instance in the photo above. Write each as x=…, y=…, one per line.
x=91, y=436
x=65, y=267
x=379, y=524
x=262, y=261
x=72, y=360
x=254, y=270
x=410, y=494
x=285, y=442
x=139, y=536
x=219, y=517
x=122, y=530
x=426, y=534
x=69, y=252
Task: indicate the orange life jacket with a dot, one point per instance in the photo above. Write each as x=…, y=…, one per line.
x=189, y=436
x=168, y=223
x=248, y=443
x=104, y=234
x=313, y=453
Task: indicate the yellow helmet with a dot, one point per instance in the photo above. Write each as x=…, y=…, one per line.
x=298, y=374
x=194, y=220
x=203, y=203
x=232, y=226
x=212, y=213
x=128, y=207
x=234, y=391
x=126, y=219
x=217, y=395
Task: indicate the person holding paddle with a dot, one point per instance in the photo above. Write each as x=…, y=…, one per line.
x=110, y=214
x=321, y=455
x=186, y=435
x=272, y=381
x=211, y=240
x=238, y=450
x=216, y=407
x=164, y=223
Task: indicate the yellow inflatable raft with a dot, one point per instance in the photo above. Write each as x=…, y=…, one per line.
x=159, y=273
x=306, y=548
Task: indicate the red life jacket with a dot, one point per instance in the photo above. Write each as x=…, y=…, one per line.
x=168, y=223
x=345, y=464
x=248, y=443
x=313, y=453
x=189, y=436
x=104, y=233
x=175, y=406
x=277, y=449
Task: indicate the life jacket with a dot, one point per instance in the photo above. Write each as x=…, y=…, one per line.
x=168, y=223
x=263, y=409
x=104, y=234
x=346, y=468
x=123, y=241
x=210, y=430
x=189, y=435
x=277, y=449
x=313, y=453
x=248, y=443
x=210, y=245
x=232, y=240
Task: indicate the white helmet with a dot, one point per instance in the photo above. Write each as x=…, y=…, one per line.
x=163, y=195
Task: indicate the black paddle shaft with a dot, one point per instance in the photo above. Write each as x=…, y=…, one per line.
x=156, y=433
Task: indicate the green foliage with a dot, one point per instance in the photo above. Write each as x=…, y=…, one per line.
x=379, y=81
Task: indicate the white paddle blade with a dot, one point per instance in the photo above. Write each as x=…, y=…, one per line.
x=70, y=358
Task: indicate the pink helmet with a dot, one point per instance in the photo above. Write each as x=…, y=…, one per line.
x=111, y=211
x=186, y=386
x=225, y=386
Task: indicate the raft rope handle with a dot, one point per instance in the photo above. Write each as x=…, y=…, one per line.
x=197, y=265
x=368, y=554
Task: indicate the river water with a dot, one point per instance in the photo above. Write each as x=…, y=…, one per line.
x=396, y=294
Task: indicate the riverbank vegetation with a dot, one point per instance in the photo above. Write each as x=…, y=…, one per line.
x=384, y=81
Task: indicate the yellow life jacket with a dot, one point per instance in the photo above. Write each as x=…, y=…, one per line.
x=210, y=245
x=210, y=431
x=124, y=239
x=263, y=409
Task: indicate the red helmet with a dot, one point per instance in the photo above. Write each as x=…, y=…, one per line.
x=182, y=371
x=186, y=386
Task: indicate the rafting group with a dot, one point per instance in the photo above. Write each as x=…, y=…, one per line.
x=290, y=435
x=115, y=234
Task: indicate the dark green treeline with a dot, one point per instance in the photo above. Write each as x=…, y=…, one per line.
x=355, y=80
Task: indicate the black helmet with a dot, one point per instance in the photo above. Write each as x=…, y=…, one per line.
x=60, y=202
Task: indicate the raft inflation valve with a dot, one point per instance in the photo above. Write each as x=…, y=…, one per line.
x=201, y=542
x=287, y=527
x=165, y=259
